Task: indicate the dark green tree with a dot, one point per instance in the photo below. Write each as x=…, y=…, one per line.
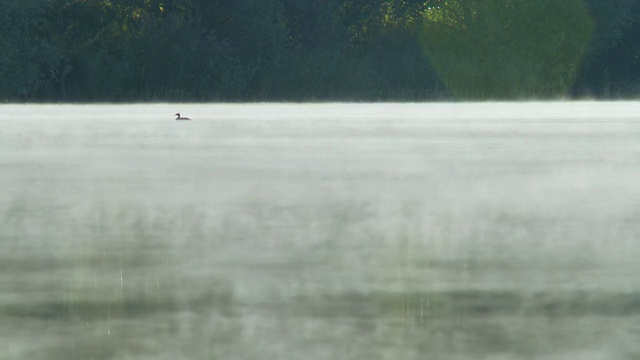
x=611, y=68
x=31, y=63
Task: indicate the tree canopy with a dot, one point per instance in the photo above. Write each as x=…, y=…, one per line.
x=301, y=50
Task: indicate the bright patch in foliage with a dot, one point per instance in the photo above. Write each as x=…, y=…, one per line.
x=507, y=49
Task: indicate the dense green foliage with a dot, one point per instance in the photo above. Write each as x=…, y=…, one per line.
x=296, y=50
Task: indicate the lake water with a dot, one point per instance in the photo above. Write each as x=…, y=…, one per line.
x=325, y=231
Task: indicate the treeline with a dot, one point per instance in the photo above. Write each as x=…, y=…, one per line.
x=305, y=50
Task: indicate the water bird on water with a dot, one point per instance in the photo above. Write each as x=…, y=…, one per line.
x=178, y=117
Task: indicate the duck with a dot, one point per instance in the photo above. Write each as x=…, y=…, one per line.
x=178, y=117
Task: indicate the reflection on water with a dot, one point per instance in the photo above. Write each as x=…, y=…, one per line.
x=320, y=231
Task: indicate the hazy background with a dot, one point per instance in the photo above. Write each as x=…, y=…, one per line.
x=344, y=231
x=331, y=50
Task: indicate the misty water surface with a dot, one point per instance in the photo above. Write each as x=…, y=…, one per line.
x=325, y=231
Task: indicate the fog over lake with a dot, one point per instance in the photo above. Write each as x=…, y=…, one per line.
x=320, y=231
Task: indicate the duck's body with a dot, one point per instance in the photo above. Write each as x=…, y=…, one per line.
x=178, y=117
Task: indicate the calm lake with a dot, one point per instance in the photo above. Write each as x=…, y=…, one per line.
x=324, y=231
